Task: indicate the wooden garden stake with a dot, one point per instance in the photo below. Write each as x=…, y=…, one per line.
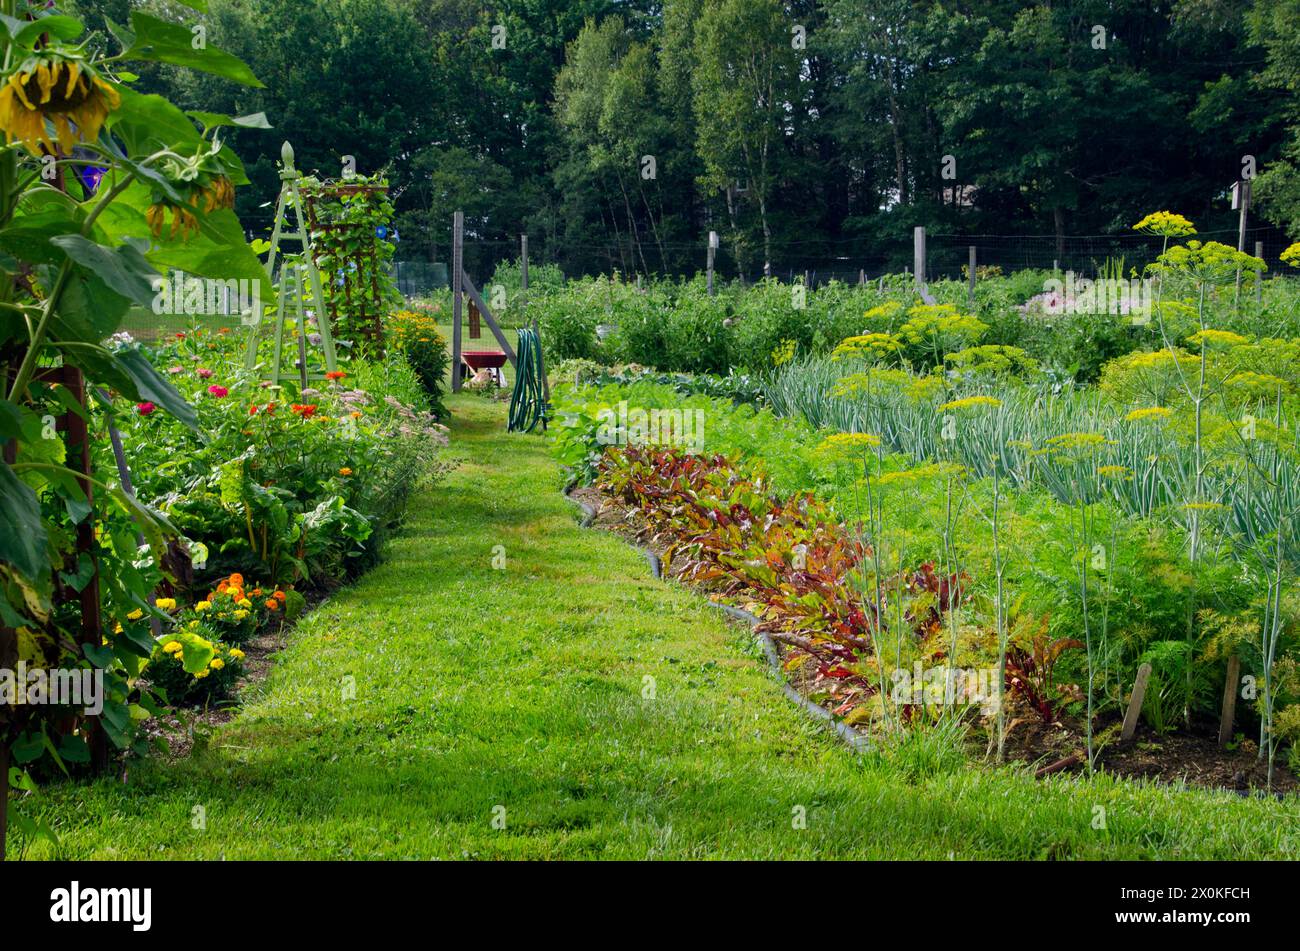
x=1135, y=703
x=1228, y=713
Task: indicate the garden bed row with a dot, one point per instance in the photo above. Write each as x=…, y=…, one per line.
x=798, y=570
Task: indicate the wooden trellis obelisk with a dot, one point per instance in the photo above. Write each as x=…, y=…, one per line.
x=295, y=277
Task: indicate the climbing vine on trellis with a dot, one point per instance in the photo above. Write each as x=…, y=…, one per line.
x=353, y=239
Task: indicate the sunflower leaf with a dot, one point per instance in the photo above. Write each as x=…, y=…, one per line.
x=162, y=42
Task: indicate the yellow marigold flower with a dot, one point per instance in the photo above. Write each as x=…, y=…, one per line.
x=244, y=603
x=165, y=604
x=217, y=663
x=1149, y=412
x=135, y=615
x=171, y=647
x=201, y=674
x=240, y=615
x=203, y=606
x=1165, y=224
x=236, y=653
x=345, y=471
x=968, y=402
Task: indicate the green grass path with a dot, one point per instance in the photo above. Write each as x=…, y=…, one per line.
x=483, y=693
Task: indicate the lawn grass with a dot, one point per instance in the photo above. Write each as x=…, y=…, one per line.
x=519, y=692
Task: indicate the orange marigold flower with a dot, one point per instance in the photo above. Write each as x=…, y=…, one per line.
x=272, y=604
x=279, y=596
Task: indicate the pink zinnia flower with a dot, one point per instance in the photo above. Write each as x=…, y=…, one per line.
x=175, y=370
x=218, y=391
x=204, y=373
x=144, y=409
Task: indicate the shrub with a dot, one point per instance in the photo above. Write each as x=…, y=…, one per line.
x=416, y=336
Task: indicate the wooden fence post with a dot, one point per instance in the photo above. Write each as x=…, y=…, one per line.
x=523, y=269
x=713, y=246
x=457, y=269
x=1242, y=196
x=1259, y=275
x=918, y=256
x=970, y=277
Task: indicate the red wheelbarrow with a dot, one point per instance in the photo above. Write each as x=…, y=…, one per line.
x=492, y=360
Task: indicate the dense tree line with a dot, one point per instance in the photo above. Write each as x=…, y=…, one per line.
x=806, y=132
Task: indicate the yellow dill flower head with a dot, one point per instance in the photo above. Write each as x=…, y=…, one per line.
x=970, y=402
x=784, y=352
x=1258, y=384
x=1204, y=506
x=847, y=444
x=885, y=311
x=867, y=345
x=1165, y=224
x=1217, y=338
x=1148, y=413
x=1211, y=262
x=1291, y=255
x=1077, y=443
x=58, y=89
x=1114, y=472
x=933, y=470
x=940, y=322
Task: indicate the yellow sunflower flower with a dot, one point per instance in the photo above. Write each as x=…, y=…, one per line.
x=65, y=93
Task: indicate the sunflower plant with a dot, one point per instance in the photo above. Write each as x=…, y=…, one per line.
x=88, y=168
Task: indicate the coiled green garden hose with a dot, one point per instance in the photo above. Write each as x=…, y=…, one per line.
x=528, y=399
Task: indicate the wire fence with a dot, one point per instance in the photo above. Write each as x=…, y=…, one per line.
x=947, y=256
